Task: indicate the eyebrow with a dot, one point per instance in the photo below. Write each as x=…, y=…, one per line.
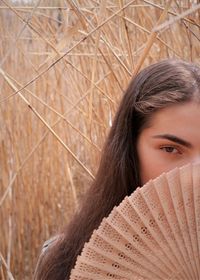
x=175, y=139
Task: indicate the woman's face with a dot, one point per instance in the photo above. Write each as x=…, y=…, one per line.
x=171, y=140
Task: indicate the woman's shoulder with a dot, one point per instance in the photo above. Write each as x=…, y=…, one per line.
x=48, y=244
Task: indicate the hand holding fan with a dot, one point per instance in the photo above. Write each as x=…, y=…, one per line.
x=152, y=234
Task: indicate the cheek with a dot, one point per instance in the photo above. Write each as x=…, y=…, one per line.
x=148, y=162
x=149, y=168
x=151, y=162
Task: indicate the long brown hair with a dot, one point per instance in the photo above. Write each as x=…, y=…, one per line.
x=157, y=86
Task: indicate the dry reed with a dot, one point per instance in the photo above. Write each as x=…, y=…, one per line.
x=64, y=66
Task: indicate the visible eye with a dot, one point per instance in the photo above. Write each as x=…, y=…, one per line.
x=170, y=150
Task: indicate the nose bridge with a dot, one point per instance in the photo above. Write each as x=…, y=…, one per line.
x=196, y=158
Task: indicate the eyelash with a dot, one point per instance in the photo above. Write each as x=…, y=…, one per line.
x=164, y=148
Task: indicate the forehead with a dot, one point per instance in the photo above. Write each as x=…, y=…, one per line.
x=176, y=118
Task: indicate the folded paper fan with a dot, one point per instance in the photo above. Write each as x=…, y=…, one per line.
x=153, y=234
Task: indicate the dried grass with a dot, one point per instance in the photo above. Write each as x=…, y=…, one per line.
x=63, y=70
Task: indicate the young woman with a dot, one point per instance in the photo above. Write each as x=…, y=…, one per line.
x=156, y=128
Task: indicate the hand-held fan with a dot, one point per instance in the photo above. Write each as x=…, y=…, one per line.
x=153, y=234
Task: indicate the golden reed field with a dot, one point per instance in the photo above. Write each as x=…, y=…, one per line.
x=64, y=66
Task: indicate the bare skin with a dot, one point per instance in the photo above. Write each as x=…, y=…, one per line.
x=172, y=139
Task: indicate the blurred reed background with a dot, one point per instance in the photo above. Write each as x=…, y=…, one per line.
x=64, y=66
